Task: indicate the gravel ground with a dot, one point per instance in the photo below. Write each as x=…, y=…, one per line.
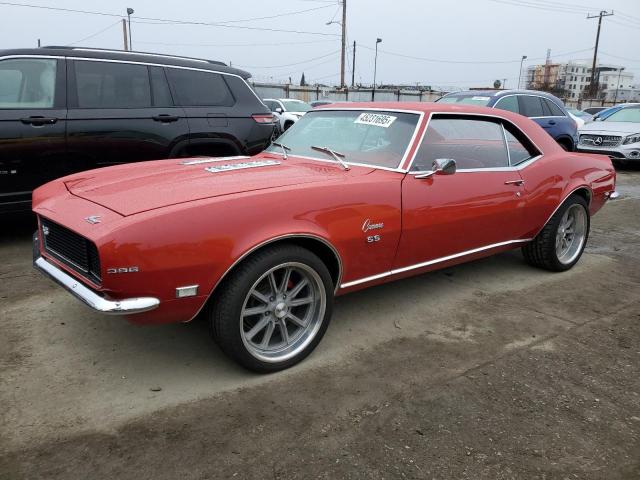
x=489, y=370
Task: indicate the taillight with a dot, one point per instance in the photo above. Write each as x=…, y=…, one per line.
x=263, y=117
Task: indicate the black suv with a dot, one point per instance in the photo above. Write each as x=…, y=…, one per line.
x=64, y=110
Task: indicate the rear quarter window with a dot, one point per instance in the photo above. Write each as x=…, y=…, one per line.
x=195, y=88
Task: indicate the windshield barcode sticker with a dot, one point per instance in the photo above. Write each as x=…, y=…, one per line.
x=377, y=119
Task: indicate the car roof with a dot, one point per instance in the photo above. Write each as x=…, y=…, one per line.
x=121, y=55
x=501, y=93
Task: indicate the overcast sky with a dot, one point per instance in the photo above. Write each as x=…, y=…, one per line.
x=495, y=32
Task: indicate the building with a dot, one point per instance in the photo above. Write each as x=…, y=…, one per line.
x=572, y=80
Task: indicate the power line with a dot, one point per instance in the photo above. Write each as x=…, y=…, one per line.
x=166, y=21
x=471, y=62
x=290, y=64
x=95, y=34
x=262, y=44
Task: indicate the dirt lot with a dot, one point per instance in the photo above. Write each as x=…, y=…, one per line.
x=490, y=370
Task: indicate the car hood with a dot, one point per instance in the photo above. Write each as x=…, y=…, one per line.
x=134, y=188
x=611, y=128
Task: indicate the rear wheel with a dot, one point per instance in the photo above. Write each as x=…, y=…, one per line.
x=560, y=244
x=274, y=309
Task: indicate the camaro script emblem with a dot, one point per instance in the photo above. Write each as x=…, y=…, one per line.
x=367, y=225
x=93, y=219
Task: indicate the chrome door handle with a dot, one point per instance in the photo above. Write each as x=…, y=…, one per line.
x=514, y=182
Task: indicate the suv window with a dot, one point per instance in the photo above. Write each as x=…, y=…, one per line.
x=471, y=142
x=509, y=103
x=160, y=88
x=112, y=85
x=530, y=106
x=27, y=83
x=552, y=108
x=199, y=89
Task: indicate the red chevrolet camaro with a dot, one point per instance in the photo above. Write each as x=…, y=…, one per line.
x=353, y=195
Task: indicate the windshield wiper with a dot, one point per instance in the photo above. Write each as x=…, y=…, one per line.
x=336, y=155
x=283, y=147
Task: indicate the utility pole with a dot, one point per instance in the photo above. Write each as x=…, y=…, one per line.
x=592, y=87
x=38, y=43
x=344, y=42
x=353, y=66
x=125, y=35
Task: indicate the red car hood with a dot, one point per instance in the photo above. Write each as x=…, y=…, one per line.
x=134, y=188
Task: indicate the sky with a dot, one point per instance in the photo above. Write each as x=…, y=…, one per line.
x=459, y=43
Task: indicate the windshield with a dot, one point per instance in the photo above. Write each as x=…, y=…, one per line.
x=295, y=106
x=378, y=138
x=625, y=115
x=481, y=100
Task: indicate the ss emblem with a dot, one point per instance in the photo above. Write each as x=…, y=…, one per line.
x=122, y=270
x=373, y=238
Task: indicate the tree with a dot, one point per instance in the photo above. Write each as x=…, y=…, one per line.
x=497, y=84
x=303, y=82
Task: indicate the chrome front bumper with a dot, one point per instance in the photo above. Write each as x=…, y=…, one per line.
x=94, y=300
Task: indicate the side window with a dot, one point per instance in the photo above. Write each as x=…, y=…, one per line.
x=27, y=83
x=471, y=142
x=530, y=106
x=160, y=88
x=112, y=85
x=553, y=108
x=271, y=105
x=509, y=103
x=199, y=89
x=518, y=152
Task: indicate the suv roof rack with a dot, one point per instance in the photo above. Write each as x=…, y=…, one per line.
x=129, y=52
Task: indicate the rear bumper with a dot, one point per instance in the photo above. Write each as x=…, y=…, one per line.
x=86, y=295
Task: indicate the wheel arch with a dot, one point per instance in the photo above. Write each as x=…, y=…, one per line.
x=314, y=243
x=583, y=191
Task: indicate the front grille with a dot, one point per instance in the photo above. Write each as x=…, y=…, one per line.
x=600, y=140
x=71, y=249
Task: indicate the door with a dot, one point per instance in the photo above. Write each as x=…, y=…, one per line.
x=32, y=127
x=120, y=113
x=478, y=206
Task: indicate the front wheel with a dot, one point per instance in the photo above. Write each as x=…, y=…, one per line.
x=274, y=309
x=560, y=244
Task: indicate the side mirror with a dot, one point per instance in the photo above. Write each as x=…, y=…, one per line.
x=278, y=110
x=441, y=166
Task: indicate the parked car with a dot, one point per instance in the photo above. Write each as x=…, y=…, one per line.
x=63, y=110
x=287, y=110
x=543, y=108
x=579, y=116
x=319, y=103
x=617, y=135
x=353, y=195
x=610, y=110
x=594, y=110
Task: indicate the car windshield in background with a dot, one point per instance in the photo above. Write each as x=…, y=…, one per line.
x=291, y=106
x=378, y=138
x=625, y=115
x=481, y=100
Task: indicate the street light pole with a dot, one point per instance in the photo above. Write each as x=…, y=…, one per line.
x=130, y=12
x=615, y=99
x=375, y=68
x=524, y=57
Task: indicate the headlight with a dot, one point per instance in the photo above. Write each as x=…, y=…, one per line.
x=635, y=138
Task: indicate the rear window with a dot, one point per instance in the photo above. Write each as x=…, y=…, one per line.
x=195, y=88
x=531, y=106
x=481, y=100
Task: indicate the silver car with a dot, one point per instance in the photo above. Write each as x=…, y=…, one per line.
x=618, y=135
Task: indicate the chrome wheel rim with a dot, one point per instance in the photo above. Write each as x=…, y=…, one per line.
x=571, y=234
x=282, y=312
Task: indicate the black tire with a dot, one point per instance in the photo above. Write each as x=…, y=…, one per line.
x=541, y=251
x=224, y=312
x=566, y=145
